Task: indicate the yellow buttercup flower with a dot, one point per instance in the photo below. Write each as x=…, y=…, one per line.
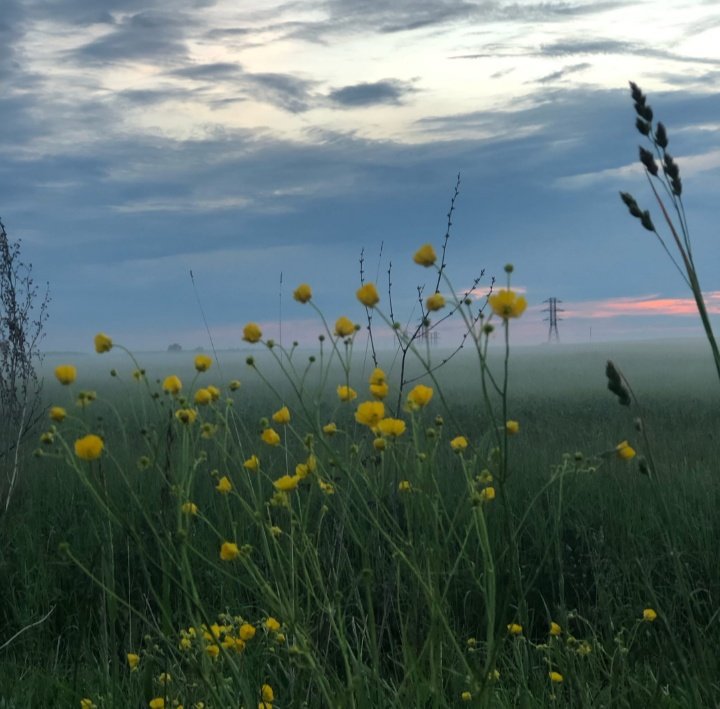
x=189, y=508
x=344, y=327
x=246, y=632
x=213, y=650
x=66, y=373
x=512, y=427
x=202, y=397
x=87, y=704
x=252, y=333
x=270, y=436
x=157, y=703
x=404, y=486
x=487, y=494
x=57, y=413
x=435, y=302
x=419, y=396
x=369, y=413
x=649, y=615
x=287, y=483
x=368, y=295
x=379, y=391
x=186, y=416
x=229, y=551
x=377, y=377
x=133, y=660
x=425, y=256
x=203, y=362
x=224, y=485
x=555, y=629
x=507, y=304
x=214, y=392
x=172, y=384
x=514, y=628
x=302, y=470
x=459, y=443
x=555, y=677
x=102, y=343
x=391, y=427
x=330, y=429
x=267, y=694
x=346, y=393
x=282, y=416
x=89, y=447
x=327, y=488
x=624, y=451
x=466, y=696
x=272, y=624
x=379, y=444
x=252, y=463
x=302, y=293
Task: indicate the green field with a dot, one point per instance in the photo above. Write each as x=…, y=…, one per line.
x=386, y=595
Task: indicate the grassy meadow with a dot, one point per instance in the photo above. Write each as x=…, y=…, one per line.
x=363, y=564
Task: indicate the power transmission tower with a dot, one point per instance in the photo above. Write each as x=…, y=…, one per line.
x=552, y=311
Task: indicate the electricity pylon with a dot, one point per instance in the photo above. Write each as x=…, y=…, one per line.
x=552, y=311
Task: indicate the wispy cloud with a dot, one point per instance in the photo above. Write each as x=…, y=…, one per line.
x=640, y=305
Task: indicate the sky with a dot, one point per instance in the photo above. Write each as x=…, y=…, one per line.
x=265, y=144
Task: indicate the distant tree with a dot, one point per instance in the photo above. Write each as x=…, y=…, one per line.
x=174, y=347
x=21, y=330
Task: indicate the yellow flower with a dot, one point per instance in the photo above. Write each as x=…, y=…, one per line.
x=512, y=427
x=282, y=416
x=234, y=385
x=246, y=631
x=286, y=483
x=584, y=649
x=89, y=447
x=379, y=444
x=425, y=256
x=327, y=488
x=391, y=427
x=48, y=438
x=213, y=650
x=57, y=413
x=102, y=343
x=272, y=624
x=377, y=376
x=157, y=703
x=252, y=333
x=435, y=302
x=369, y=413
x=330, y=429
x=555, y=677
x=164, y=678
x=87, y=704
x=649, y=615
x=203, y=362
x=267, y=694
x=419, y=396
x=466, y=696
x=459, y=443
x=404, y=486
x=488, y=494
x=275, y=531
x=514, y=628
x=189, y=508
x=302, y=293
x=346, y=393
x=344, y=327
x=555, y=629
x=624, y=451
x=186, y=416
x=133, y=660
x=202, y=397
x=172, y=384
x=507, y=304
x=379, y=391
x=66, y=373
x=368, y=295
x=224, y=485
x=302, y=470
x=270, y=436
x=252, y=463
x=214, y=392
x=229, y=551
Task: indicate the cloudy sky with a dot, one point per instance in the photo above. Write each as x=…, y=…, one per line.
x=243, y=140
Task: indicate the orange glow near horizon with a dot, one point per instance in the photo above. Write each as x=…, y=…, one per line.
x=642, y=305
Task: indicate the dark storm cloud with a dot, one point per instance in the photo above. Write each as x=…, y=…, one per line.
x=153, y=34
x=562, y=73
x=370, y=94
